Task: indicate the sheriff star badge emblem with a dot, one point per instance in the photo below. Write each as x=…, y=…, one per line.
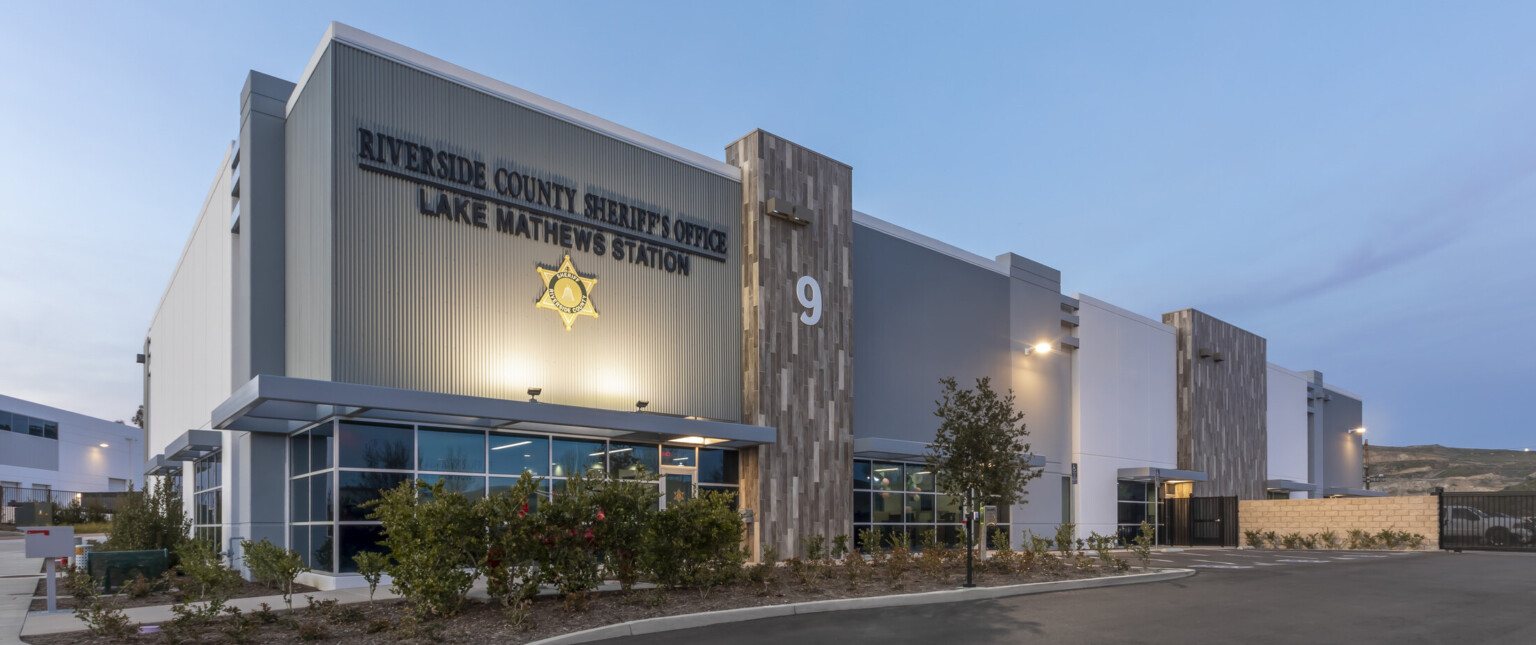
x=567, y=292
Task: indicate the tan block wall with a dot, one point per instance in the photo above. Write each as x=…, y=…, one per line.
x=1340, y=514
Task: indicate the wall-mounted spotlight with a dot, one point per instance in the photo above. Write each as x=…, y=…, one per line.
x=1038, y=348
x=533, y=394
x=1360, y=430
x=104, y=445
x=640, y=405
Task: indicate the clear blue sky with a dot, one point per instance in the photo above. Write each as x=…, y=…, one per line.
x=1353, y=181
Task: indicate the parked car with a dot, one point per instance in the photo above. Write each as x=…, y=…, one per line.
x=1469, y=525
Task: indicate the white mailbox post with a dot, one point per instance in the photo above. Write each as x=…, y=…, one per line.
x=51, y=542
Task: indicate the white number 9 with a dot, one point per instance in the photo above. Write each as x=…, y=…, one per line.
x=809, y=294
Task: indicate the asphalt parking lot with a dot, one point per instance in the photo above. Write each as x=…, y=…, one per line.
x=1237, y=597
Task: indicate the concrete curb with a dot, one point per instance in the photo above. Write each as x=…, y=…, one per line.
x=688, y=621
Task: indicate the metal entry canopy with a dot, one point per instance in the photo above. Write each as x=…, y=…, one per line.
x=282, y=405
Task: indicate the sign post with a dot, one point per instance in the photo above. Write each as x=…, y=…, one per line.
x=51, y=543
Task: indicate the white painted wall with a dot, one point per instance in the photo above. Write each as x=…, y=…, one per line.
x=189, y=350
x=1287, y=425
x=84, y=466
x=1123, y=407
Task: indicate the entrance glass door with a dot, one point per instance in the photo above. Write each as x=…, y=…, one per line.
x=676, y=484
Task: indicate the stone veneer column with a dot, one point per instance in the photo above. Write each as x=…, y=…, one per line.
x=797, y=378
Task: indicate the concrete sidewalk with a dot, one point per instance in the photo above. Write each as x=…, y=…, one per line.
x=16, y=592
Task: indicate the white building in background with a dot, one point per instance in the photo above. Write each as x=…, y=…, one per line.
x=53, y=453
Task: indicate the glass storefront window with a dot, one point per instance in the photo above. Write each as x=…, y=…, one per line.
x=861, y=506
x=887, y=476
x=472, y=487
x=321, y=547
x=356, y=538
x=919, y=478
x=320, y=498
x=920, y=509
x=685, y=456
x=322, y=444
x=455, y=451
x=514, y=454
x=298, y=500
x=372, y=445
x=948, y=508
x=504, y=485
x=629, y=460
x=298, y=454
x=861, y=475
x=887, y=507
x=717, y=466
x=577, y=456
x=359, y=487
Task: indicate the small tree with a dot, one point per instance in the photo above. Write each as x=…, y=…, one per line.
x=271, y=564
x=371, y=566
x=148, y=520
x=979, y=447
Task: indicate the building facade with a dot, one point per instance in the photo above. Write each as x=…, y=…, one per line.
x=406, y=269
x=53, y=455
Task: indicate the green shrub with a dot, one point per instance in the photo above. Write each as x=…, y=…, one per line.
x=273, y=565
x=1415, y=541
x=1272, y=538
x=815, y=547
x=565, y=542
x=201, y=561
x=624, y=508
x=434, y=541
x=1328, y=539
x=870, y=544
x=1142, y=545
x=1102, y=546
x=695, y=542
x=1066, y=538
x=371, y=565
x=105, y=620
x=1390, y=538
x=1359, y=539
x=1254, y=539
x=839, y=546
x=510, y=564
x=1291, y=540
x=149, y=520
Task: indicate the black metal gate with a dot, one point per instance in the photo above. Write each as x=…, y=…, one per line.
x=1200, y=521
x=1503, y=521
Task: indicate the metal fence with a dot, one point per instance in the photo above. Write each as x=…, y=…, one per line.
x=1504, y=521
x=1200, y=521
x=37, y=506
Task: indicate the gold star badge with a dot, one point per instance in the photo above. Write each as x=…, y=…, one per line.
x=567, y=292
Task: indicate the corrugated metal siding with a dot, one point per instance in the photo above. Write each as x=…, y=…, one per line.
x=429, y=304
x=190, y=335
x=308, y=152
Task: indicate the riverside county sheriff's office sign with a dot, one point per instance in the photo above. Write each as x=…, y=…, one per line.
x=465, y=191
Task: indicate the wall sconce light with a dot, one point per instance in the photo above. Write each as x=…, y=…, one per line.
x=533, y=394
x=640, y=405
x=1360, y=430
x=1038, y=348
x=104, y=445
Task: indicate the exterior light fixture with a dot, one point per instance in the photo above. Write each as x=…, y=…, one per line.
x=640, y=405
x=1360, y=430
x=1038, y=348
x=104, y=445
x=512, y=445
x=533, y=394
x=696, y=440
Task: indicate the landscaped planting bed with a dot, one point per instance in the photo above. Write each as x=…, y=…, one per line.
x=489, y=622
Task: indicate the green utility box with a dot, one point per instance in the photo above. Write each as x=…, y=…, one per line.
x=113, y=568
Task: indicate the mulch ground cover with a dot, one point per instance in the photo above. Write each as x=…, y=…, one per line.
x=247, y=589
x=488, y=622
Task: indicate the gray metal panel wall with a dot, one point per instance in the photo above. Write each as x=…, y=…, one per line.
x=430, y=304
x=258, y=256
x=1343, y=457
x=1222, y=406
x=309, y=151
x=919, y=316
x=24, y=450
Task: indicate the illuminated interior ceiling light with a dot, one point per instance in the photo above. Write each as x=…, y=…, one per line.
x=698, y=441
x=611, y=452
x=512, y=445
x=885, y=470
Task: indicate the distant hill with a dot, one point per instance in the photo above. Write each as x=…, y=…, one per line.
x=1417, y=470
